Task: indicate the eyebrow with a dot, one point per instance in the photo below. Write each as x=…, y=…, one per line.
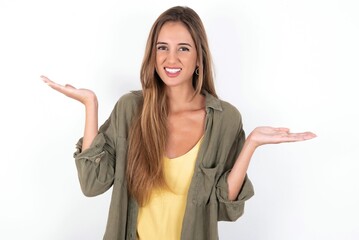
x=186, y=44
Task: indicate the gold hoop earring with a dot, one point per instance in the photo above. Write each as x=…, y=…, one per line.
x=197, y=71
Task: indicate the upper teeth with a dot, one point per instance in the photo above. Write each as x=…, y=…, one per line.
x=173, y=70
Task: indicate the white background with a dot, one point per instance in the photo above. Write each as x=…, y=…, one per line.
x=281, y=63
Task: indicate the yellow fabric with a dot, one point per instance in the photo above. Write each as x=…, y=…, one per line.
x=161, y=218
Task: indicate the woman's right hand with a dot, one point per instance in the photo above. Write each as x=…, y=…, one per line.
x=85, y=96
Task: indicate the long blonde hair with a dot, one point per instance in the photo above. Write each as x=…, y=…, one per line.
x=148, y=134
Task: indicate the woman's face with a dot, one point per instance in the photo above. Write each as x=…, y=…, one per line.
x=176, y=55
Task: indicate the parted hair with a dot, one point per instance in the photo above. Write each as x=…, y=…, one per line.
x=148, y=133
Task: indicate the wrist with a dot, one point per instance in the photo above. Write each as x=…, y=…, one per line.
x=91, y=102
x=250, y=143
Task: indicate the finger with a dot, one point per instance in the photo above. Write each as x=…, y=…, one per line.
x=301, y=136
x=282, y=129
x=308, y=135
x=304, y=134
x=44, y=78
x=48, y=81
x=52, y=83
x=56, y=86
x=69, y=86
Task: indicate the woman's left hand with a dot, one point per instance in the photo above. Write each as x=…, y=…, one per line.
x=270, y=135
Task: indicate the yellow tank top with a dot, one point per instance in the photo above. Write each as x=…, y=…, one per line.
x=161, y=218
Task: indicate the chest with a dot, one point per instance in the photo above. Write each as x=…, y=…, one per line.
x=184, y=131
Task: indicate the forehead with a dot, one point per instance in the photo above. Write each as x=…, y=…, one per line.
x=174, y=32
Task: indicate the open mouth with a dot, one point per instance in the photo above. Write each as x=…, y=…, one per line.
x=173, y=70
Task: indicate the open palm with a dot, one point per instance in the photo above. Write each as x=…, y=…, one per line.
x=271, y=135
x=80, y=94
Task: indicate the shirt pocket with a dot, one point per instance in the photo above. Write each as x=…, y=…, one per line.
x=206, y=184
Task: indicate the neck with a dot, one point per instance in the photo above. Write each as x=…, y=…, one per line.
x=183, y=99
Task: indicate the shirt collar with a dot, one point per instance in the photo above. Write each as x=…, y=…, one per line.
x=212, y=101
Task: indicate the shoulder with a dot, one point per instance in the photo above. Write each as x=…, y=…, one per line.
x=230, y=115
x=128, y=104
x=230, y=111
x=131, y=97
x=225, y=115
x=221, y=108
x=130, y=100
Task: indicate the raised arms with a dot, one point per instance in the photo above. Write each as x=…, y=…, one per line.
x=89, y=100
x=259, y=136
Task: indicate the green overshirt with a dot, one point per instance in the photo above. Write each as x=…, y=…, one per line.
x=104, y=165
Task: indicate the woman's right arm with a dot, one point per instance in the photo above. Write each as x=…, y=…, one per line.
x=95, y=155
x=86, y=97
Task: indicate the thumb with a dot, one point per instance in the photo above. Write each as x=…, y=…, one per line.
x=69, y=86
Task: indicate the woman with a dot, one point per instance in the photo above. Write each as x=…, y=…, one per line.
x=175, y=154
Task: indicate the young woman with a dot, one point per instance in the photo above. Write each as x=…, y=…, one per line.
x=175, y=155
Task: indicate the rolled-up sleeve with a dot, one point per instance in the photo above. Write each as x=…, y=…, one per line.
x=96, y=164
x=231, y=210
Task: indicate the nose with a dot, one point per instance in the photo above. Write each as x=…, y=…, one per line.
x=172, y=56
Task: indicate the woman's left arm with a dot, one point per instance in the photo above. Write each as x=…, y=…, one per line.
x=259, y=136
